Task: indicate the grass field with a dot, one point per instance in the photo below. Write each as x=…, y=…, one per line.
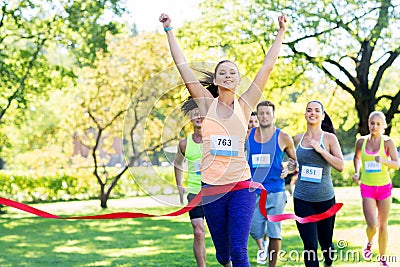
x=30, y=241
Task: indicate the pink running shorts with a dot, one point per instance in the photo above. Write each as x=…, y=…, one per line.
x=376, y=192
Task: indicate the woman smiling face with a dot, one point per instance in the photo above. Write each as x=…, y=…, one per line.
x=227, y=75
x=314, y=113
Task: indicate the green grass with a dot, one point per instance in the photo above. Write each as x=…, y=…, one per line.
x=29, y=241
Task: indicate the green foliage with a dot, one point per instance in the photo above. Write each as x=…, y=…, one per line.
x=396, y=179
x=154, y=180
x=340, y=179
x=45, y=188
x=37, y=39
x=77, y=184
x=87, y=20
x=330, y=53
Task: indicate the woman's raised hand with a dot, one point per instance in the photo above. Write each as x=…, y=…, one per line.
x=282, y=21
x=165, y=20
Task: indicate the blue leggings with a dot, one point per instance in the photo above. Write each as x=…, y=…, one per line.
x=228, y=218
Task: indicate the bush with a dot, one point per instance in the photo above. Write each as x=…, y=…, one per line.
x=396, y=179
x=344, y=178
x=80, y=184
x=27, y=187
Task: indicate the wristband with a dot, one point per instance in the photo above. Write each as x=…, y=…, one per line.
x=168, y=29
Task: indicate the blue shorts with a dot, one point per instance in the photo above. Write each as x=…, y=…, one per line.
x=259, y=225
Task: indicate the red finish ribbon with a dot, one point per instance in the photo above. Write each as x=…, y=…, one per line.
x=214, y=190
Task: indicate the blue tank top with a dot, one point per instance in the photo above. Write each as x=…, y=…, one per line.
x=265, y=161
x=314, y=183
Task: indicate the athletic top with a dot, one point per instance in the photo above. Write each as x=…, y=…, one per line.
x=193, y=154
x=224, y=160
x=265, y=161
x=372, y=172
x=314, y=183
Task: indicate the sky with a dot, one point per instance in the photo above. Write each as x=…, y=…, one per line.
x=145, y=13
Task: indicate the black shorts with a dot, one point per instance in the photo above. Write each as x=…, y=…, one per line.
x=196, y=212
x=288, y=178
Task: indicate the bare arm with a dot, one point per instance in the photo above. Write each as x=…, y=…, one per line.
x=178, y=168
x=333, y=154
x=291, y=152
x=196, y=90
x=357, y=160
x=286, y=144
x=393, y=163
x=252, y=95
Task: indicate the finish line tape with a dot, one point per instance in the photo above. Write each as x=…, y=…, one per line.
x=208, y=191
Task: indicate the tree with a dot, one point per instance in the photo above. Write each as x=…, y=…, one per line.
x=357, y=46
x=37, y=39
x=31, y=29
x=355, y=43
x=125, y=91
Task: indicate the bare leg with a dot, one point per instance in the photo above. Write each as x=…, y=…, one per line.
x=383, y=216
x=199, y=247
x=369, y=209
x=260, y=244
x=265, y=242
x=273, y=249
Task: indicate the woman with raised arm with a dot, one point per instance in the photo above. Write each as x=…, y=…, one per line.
x=374, y=155
x=224, y=132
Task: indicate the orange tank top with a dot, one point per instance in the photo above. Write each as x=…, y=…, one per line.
x=224, y=159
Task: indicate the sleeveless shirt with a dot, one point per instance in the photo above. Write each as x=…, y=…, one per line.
x=372, y=172
x=193, y=154
x=265, y=161
x=314, y=183
x=224, y=160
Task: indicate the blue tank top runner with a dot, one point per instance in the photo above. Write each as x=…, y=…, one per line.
x=265, y=161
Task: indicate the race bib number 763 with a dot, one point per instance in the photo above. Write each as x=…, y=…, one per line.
x=224, y=145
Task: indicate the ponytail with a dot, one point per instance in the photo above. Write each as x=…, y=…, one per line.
x=327, y=124
x=188, y=105
x=208, y=82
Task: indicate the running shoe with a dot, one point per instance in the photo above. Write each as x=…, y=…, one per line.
x=367, y=252
x=261, y=257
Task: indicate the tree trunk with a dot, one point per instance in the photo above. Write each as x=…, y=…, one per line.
x=103, y=197
x=2, y=163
